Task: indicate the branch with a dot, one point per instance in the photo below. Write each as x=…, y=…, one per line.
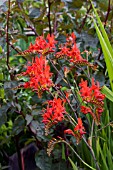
x=13, y=47
x=65, y=82
x=29, y=25
x=7, y=35
x=55, y=25
x=108, y=11
x=18, y=152
x=84, y=20
x=33, y=29
x=49, y=19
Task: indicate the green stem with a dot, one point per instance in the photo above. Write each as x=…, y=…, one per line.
x=92, y=128
x=92, y=153
x=78, y=155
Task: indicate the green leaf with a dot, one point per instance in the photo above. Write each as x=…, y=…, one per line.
x=110, y=161
x=63, y=152
x=3, y=111
x=2, y=93
x=107, y=54
x=29, y=118
x=19, y=125
x=43, y=161
x=36, y=112
x=61, y=38
x=64, y=88
x=97, y=148
x=1, y=76
x=34, y=12
x=106, y=46
x=75, y=4
x=34, y=125
x=61, y=165
x=108, y=93
x=103, y=31
x=38, y=128
x=0, y=49
x=72, y=163
x=103, y=158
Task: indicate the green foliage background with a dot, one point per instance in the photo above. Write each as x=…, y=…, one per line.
x=25, y=21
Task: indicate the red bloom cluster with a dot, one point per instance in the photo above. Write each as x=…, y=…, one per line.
x=39, y=75
x=42, y=46
x=70, y=51
x=55, y=111
x=86, y=110
x=78, y=132
x=92, y=95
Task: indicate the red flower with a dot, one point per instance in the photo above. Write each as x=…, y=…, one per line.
x=42, y=46
x=78, y=132
x=98, y=113
x=85, y=109
x=70, y=50
x=55, y=111
x=92, y=95
x=63, y=52
x=85, y=91
x=74, y=54
x=39, y=76
x=51, y=41
x=79, y=127
x=69, y=132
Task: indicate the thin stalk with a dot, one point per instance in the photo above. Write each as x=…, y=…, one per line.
x=92, y=153
x=33, y=29
x=78, y=156
x=56, y=69
x=13, y=47
x=92, y=128
x=69, y=85
x=55, y=24
x=108, y=11
x=29, y=24
x=83, y=71
x=67, y=102
x=84, y=20
x=88, y=72
x=110, y=123
x=49, y=18
x=7, y=35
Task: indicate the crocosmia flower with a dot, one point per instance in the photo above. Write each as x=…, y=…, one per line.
x=39, y=76
x=41, y=46
x=91, y=94
x=71, y=53
x=93, y=97
x=55, y=111
x=78, y=131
